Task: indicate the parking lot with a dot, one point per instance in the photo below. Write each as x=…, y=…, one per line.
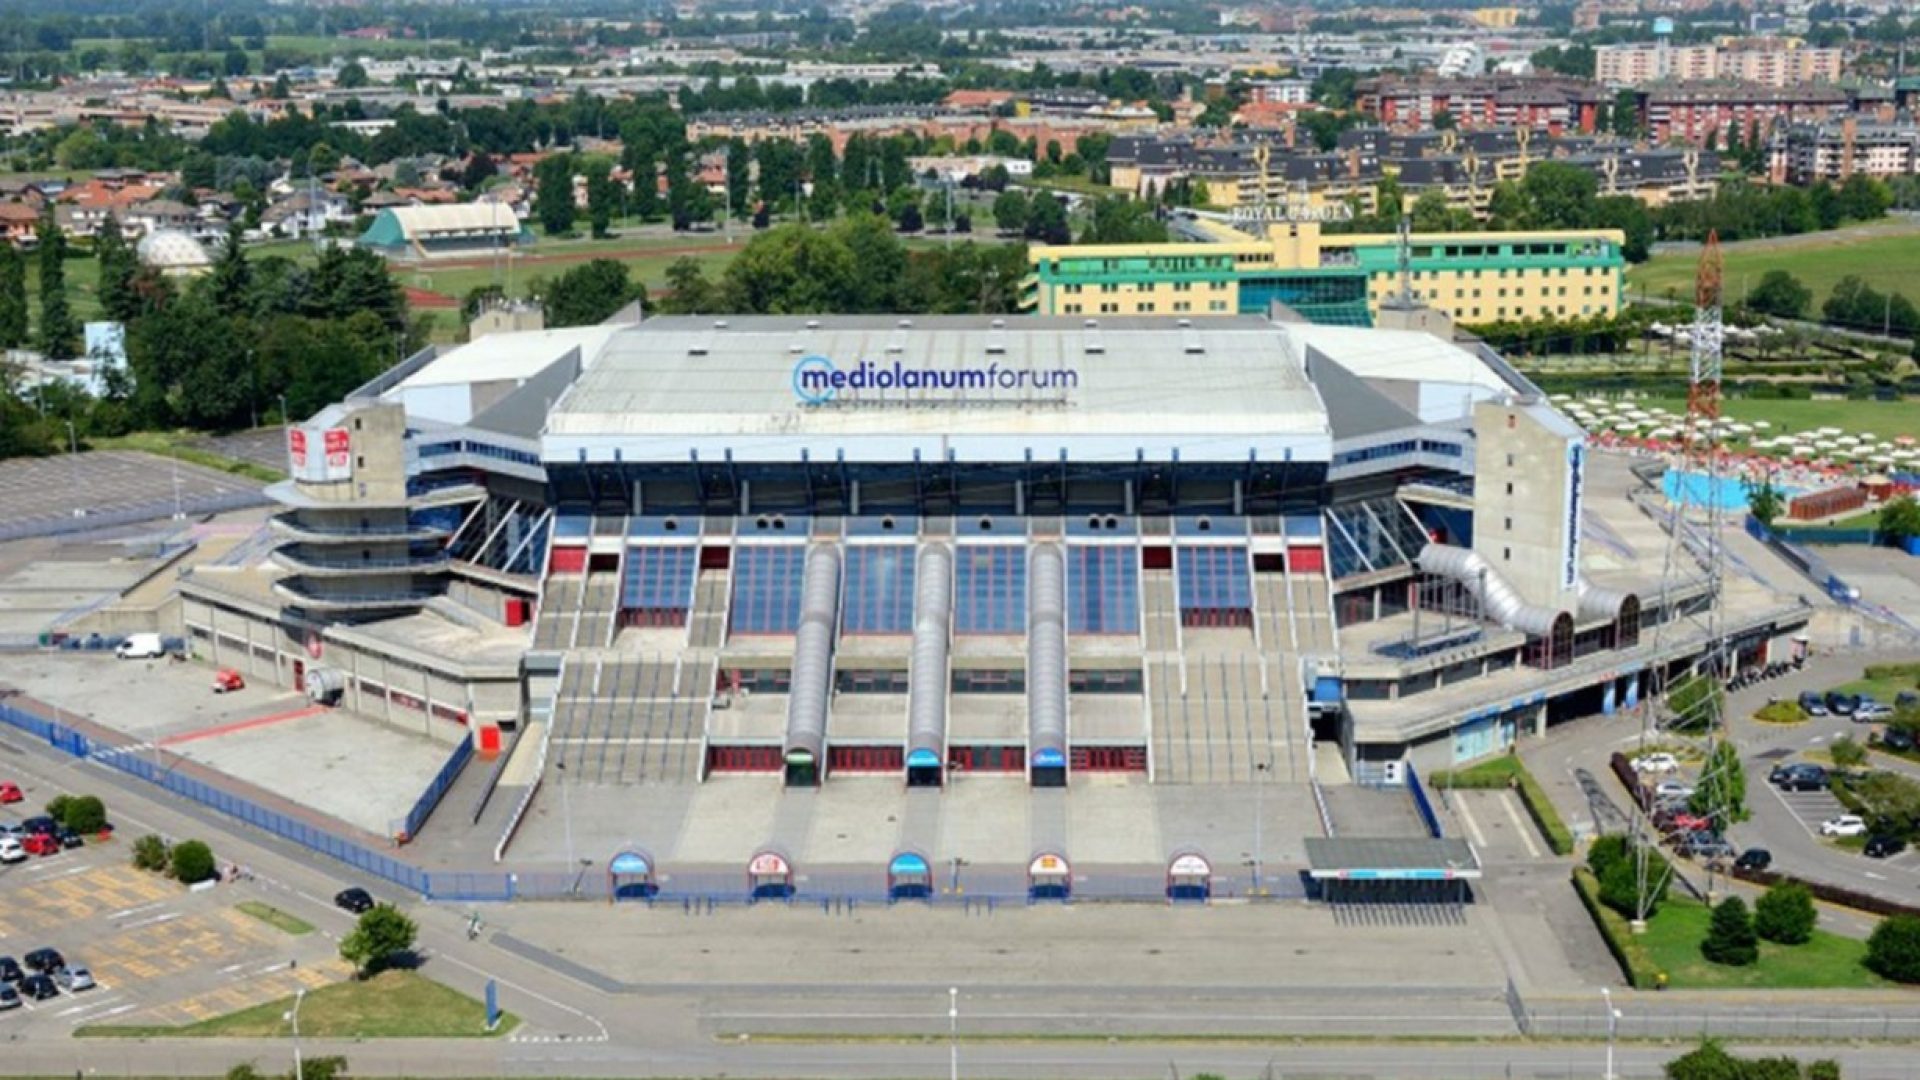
x=159, y=952
x=113, y=485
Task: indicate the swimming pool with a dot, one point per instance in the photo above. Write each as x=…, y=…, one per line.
x=1727, y=492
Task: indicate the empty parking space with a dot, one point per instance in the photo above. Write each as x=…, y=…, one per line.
x=113, y=486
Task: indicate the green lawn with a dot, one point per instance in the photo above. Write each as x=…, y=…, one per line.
x=1883, y=253
x=1883, y=690
x=1828, y=962
x=180, y=444
x=273, y=916
x=1882, y=418
x=393, y=1005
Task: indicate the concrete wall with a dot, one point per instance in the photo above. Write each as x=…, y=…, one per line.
x=1521, y=486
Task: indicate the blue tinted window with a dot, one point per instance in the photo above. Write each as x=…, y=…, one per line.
x=990, y=589
x=1214, y=579
x=658, y=578
x=879, y=589
x=1103, y=593
x=766, y=588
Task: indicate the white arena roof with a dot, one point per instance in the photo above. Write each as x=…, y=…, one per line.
x=972, y=389
x=1446, y=375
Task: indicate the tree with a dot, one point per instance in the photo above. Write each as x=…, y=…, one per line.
x=1122, y=221
x=646, y=182
x=690, y=291
x=352, y=76
x=381, y=935
x=58, y=335
x=591, y=292
x=1711, y=1062
x=1730, y=938
x=1785, y=915
x=1620, y=886
x=1721, y=794
x=1010, y=211
x=81, y=813
x=1047, y=220
x=118, y=266
x=1893, y=950
x=1780, y=294
x=1847, y=753
x=13, y=297
x=1900, y=520
x=790, y=270
x=192, y=862
x=553, y=194
x=1559, y=195
x=739, y=176
x=231, y=282
x=602, y=196
x=1766, y=502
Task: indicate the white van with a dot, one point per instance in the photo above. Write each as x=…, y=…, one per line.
x=141, y=647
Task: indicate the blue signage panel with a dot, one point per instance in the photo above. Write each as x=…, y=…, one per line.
x=1049, y=758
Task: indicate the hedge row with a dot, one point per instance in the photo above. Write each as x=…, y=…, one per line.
x=1832, y=894
x=1627, y=951
x=1893, y=671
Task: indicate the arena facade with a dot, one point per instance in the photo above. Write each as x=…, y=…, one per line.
x=936, y=547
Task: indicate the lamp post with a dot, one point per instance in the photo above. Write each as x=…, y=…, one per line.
x=566, y=814
x=1613, y=1020
x=73, y=458
x=1259, y=813
x=953, y=1033
x=299, y=996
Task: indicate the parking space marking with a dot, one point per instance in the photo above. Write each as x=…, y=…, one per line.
x=1473, y=827
x=1520, y=828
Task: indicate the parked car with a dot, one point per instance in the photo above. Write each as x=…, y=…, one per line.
x=1813, y=704
x=42, y=844
x=356, y=900
x=74, y=979
x=1883, y=847
x=35, y=826
x=226, y=680
x=70, y=839
x=1684, y=822
x=45, y=961
x=11, y=851
x=1872, y=712
x=10, y=793
x=1704, y=845
x=1898, y=740
x=1906, y=699
x=1754, y=858
x=1656, y=763
x=1840, y=704
x=10, y=970
x=38, y=988
x=1673, y=789
x=141, y=647
x=1844, y=825
x=1802, y=777
x=9, y=997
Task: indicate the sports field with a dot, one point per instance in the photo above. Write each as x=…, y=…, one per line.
x=1886, y=253
x=1883, y=418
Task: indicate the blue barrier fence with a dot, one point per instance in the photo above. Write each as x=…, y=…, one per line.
x=437, y=788
x=1422, y=803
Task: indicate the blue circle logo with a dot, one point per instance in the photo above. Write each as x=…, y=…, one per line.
x=813, y=380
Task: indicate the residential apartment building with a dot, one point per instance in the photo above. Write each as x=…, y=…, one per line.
x=1802, y=154
x=1774, y=62
x=1699, y=114
x=1337, y=279
x=1551, y=105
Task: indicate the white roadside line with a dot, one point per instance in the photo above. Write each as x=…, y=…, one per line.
x=97, y=1017
x=165, y=916
x=128, y=913
x=1775, y=788
x=86, y=1006
x=1473, y=827
x=1520, y=828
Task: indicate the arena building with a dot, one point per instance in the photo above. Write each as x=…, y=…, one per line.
x=931, y=547
x=1340, y=279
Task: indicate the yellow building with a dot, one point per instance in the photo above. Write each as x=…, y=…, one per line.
x=1476, y=278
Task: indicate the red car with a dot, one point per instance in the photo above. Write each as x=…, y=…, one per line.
x=227, y=679
x=10, y=793
x=40, y=844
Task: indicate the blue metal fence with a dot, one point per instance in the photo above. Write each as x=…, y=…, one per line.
x=1421, y=802
x=437, y=788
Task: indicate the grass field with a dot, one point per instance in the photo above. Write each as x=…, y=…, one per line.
x=392, y=1005
x=1828, y=962
x=1883, y=418
x=274, y=917
x=1887, y=254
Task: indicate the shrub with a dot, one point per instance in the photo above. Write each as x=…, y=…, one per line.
x=1824, y=1069
x=84, y=814
x=1627, y=949
x=1893, y=950
x=1620, y=884
x=1847, y=753
x=1780, y=712
x=1606, y=851
x=192, y=862
x=150, y=853
x=1730, y=938
x=1785, y=914
x=57, y=807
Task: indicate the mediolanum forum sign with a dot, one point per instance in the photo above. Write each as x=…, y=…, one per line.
x=818, y=381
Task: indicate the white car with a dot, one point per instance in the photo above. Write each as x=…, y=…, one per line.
x=1673, y=789
x=11, y=851
x=1661, y=762
x=1872, y=711
x=1844, y=825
